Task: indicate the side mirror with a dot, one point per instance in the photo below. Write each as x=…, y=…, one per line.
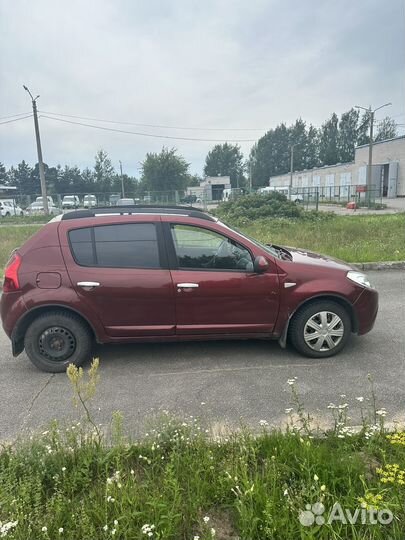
x=260, y=265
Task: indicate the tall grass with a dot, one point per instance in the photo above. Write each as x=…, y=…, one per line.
x=353, y=239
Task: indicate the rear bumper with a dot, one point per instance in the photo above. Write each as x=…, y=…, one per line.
x=366, y=307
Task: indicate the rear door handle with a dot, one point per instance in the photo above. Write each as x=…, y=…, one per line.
x=88, y=284
x=187, y=285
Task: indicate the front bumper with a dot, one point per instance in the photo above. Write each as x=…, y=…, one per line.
x=366, y=308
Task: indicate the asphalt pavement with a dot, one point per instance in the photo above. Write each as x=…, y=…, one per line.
x=223, y=383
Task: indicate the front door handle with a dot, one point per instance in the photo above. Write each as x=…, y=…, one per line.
x=187, y=285
x=88, y=284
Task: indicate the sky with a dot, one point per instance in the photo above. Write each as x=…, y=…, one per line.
x=229, y=70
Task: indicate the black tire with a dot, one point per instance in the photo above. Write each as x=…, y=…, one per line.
x=66, y=330
x=299, y=323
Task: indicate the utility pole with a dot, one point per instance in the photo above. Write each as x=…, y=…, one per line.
x=122, y=182
x=370, y=147
x=39, y=151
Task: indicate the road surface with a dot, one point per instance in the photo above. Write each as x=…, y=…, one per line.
x=223, y=383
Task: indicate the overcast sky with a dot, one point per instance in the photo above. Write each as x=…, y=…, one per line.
x=211, y=64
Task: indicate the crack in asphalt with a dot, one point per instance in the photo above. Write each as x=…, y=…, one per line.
x=34, y=399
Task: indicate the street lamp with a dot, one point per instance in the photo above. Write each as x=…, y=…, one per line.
x=370, y=146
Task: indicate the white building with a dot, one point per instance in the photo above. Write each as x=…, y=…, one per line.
x=211, y=188
x=388, y=176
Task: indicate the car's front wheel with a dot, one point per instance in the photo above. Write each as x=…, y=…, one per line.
x=320, y=329
x=56, y=339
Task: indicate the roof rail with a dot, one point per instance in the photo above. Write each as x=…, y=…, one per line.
x=190, y=211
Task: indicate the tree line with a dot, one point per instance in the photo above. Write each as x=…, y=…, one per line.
x=334, y=142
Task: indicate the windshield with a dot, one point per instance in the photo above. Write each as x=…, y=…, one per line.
x=269, y=249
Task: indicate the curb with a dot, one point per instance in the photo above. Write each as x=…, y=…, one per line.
x=389, y=265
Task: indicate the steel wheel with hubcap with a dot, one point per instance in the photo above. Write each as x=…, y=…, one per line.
x=320, y=329
x=323, y=331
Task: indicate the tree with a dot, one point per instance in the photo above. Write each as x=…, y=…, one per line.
x=299, y=138
x=311, y=157
x=103, y=172
x=348, y=135
x=3, y=173
x=225, y=160
x=387, y=129
x=24, y=181
x=329, y=141
x=166, y=171
x=363, y=130
x=194, y=180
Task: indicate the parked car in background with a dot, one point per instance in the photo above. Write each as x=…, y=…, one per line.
x=125, y=202
x=37, y=209
x=114, y=199
x=50, y=200
x=70, y=201
x=172, y=274
x=89, y=201
x=10, y=208
x=189, y=199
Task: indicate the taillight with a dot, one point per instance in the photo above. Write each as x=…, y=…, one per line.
x=11, y=281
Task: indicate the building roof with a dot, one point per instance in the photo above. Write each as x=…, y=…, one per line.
x=384, y=141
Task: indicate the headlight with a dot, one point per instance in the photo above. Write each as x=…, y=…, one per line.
x=359, y=278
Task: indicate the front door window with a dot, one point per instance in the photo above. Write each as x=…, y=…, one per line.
x=203, y=249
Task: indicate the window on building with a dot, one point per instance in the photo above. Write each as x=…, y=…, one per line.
x=131, y=245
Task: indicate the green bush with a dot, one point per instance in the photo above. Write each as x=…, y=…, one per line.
x=255, y=206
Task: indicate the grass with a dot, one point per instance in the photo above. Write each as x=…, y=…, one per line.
x=23, y=220
x=12, y=237
x=353, y=239
x=178, y=483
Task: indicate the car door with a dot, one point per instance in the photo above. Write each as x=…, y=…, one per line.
x=216, y=289
x=120, y=271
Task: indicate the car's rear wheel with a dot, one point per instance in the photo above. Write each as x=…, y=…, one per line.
x=320, y=329
x=56, y=339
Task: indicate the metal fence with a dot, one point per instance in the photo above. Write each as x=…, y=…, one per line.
x=309, y=198
x=341, y=195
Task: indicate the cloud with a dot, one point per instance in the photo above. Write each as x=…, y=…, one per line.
x=188, y=63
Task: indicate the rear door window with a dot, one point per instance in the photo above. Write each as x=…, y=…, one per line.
x=132, y=245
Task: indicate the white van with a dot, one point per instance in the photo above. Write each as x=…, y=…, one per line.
x=70, y=201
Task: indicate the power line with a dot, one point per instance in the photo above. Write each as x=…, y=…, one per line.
x=15, y=120
x=145, y=134
x=150, y=125
x=13, y=115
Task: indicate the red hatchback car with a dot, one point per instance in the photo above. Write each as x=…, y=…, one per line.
x=141, y=274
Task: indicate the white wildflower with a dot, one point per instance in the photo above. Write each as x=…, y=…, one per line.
x=263, y=423
x=289, y=410
x=60, y=530
x=360, y=399
x=44, y=529
x=206, y=519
